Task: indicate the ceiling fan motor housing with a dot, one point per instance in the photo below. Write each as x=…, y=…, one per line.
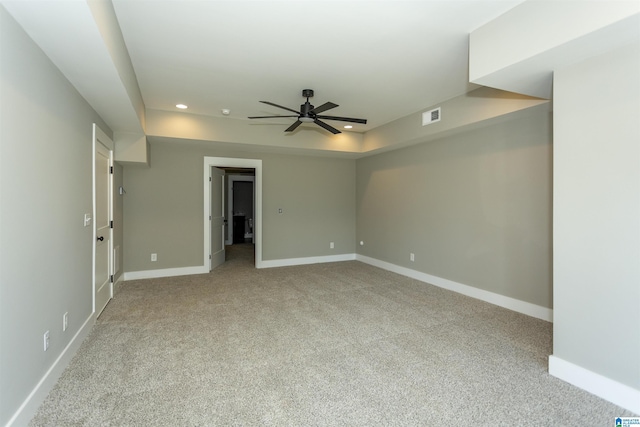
x=306, y=107
x=304, y=112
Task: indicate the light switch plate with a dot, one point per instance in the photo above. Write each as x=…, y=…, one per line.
x=87, y=220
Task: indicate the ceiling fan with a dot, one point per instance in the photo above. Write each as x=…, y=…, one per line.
x=308, y=113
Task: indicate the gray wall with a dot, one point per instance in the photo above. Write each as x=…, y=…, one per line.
x=474, y=207
x=597, y=215
x=163, y=207
x=45, y=251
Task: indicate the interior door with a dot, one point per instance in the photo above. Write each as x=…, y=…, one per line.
x=102, y=224
x=217, y=217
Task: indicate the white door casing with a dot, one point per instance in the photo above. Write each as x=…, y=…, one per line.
x=255, y=164
x=216, y=214
x=102, y=217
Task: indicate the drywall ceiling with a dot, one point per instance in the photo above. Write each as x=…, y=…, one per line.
x=379, y=60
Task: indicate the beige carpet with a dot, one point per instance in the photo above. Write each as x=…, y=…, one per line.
x=341, y=344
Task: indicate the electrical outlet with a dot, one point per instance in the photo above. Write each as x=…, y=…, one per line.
x=46, y=341
x=65, y=321
x=154, y=257
x=331, y=245
x=412, y=257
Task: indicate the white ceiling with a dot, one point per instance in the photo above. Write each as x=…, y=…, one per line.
x=379, y=60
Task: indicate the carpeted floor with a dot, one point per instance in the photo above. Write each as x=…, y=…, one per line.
x=340, y=344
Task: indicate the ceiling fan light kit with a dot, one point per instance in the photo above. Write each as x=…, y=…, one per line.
x=310, y=114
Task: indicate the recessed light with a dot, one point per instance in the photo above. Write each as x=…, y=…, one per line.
x=181, y=106
x=348, y=127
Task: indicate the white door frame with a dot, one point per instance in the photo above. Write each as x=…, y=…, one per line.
x=99, y=137
x=231, y=179
x=231, y=162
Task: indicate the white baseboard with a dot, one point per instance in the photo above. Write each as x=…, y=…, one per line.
x=165, y=272
x=523, y=307
x=307, y=260
x=30, y=406
x=606, y=388
x=490, y=297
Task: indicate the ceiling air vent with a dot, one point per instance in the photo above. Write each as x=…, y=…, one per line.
x=432, y=116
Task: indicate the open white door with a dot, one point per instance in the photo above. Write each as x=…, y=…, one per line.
x=102, y=174
x=216, y=187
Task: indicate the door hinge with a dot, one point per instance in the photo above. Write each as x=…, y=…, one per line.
x=110, y=169
x=209, y=179
x=209, y=256
x=111, y=278
x=111, y=224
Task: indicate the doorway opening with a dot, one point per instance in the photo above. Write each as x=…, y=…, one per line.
x=240, y=205
x=246, y=213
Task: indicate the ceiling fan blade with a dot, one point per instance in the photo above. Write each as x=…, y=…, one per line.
x=269, y=117
x=344, y=119
x=326, y=126
x=293, y=126
x=324, y=107
x=280, y=106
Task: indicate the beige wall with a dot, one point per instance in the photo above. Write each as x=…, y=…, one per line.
x=590, y=52
x=463, y=113
x=597, y=216
x=248, y=135
x=45, y=251
x=474, y=207
x=163, y=208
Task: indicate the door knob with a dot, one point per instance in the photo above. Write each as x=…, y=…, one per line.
x=101, y=238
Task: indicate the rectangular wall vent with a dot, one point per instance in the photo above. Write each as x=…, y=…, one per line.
x=431, y=116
